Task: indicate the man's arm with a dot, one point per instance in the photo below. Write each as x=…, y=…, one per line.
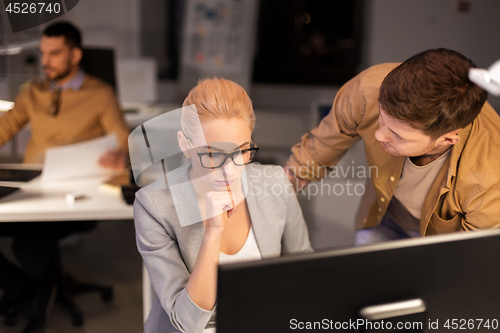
x=482, y=209
x=325, y=145
x=11, y=122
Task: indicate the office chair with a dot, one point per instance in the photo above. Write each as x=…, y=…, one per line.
x=58, y=286
x=67, y=286
x=98, y=62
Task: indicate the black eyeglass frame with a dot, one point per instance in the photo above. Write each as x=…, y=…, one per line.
x=226, y=155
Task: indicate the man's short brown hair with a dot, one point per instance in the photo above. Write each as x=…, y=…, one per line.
x=432, y=92
x=71, y=34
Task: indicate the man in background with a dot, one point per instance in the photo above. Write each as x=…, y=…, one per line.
x=68, y=107
x=431, y=136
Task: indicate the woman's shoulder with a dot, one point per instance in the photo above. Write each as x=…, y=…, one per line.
x=160, y=188
x=155, y=196
x=169, y=199
x=156, y=187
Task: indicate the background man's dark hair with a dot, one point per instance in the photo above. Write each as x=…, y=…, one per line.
x=432, y=92
x=70, y=33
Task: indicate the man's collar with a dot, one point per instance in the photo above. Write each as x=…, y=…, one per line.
x=75, y=83
x=456, y=151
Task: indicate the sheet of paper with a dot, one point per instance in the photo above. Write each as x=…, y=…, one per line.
x=77, y=160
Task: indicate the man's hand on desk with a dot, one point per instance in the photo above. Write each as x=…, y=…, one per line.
x=114, y=159
x=297, y=182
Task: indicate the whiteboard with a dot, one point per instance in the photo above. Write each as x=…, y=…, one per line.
x=218, y=40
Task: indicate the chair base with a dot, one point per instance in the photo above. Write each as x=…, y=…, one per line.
x=64, y=296
x=71, y=287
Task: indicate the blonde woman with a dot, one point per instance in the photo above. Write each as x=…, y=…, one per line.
x=224, y=209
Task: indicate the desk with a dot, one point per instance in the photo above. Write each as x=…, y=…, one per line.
x=38, y=201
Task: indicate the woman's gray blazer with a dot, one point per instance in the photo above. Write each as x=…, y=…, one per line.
x=169, y=251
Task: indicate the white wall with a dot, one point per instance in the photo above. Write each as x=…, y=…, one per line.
x=397, y=29
x=109, y=23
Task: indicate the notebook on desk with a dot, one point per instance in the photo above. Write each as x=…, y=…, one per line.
x=18, y=175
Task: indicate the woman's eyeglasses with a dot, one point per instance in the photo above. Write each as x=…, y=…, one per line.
x=215, y=160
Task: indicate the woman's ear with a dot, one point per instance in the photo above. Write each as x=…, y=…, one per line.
x=183, y=144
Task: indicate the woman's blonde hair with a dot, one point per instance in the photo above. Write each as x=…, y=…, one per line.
x=217, y=99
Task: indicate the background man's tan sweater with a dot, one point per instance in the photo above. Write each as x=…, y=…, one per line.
x=85, y=114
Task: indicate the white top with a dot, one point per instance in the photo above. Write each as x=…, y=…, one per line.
x=249, y=251
x=415, y=182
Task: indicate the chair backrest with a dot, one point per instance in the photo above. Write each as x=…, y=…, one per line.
x=100, y=62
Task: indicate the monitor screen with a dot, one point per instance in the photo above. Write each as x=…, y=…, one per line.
x=455, y=278
x=18, y=175
x=99, y=62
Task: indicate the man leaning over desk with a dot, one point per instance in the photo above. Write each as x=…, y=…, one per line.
x=68, y=107
x=432, y=137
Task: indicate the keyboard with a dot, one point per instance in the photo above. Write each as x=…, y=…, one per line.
x=18, y=175
x=5, y=190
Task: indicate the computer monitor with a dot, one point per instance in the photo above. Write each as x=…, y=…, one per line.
x=452, y=281
x=319, y=110
x=100, y=62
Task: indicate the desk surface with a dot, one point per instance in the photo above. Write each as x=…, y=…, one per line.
x=38, y=201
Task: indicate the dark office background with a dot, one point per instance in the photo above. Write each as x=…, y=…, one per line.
x=303, y=43
x=297, y=41
x=304, y=50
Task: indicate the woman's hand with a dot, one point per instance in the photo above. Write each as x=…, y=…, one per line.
x=219, y=209
x=202, y=285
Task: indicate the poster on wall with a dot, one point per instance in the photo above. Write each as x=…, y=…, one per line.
x=218, y=40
